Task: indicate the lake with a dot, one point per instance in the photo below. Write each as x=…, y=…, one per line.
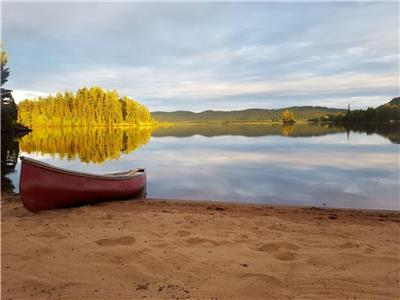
x=304, y=164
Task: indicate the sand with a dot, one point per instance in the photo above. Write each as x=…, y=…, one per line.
x=154, y=249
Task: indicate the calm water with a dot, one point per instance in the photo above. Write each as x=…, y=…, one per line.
x=297, y=165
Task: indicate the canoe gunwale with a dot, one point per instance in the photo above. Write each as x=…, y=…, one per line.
x=116, y=176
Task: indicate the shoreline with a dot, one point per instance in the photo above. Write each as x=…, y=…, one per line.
x=269, y=205
x=179, y=249
x=234, y=203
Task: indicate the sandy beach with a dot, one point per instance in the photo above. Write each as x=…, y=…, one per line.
x=154, y=249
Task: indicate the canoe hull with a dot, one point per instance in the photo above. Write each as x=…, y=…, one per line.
x=43, y=188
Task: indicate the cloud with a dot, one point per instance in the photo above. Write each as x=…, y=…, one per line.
x=185, y=86
x=207, y=55
x=356, y=51
x=20, y=95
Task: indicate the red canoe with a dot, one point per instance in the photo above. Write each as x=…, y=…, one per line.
x=43, y=186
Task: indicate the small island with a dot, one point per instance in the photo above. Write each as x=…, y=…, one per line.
x=288, y=117
x=87, y=107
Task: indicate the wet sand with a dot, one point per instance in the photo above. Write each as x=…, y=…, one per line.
x=154, y=249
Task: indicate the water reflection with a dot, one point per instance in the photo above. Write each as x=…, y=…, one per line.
x=88, y=144
x=303, y=164
x=389, y=131
x=99, y=144
x=325, y=169
x=249, y=130
x=9, y=158
x=287, y=129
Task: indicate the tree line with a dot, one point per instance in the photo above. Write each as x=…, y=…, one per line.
x=87, y=107
x=388, y=112
x=302, y=113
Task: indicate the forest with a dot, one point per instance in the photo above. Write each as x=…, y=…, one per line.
x=87, y=107
x=302, y=113
x=386, y=113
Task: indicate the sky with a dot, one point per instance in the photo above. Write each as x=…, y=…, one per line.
x=209, y=55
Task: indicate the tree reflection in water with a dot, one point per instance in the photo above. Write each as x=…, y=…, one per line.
x=96, y=144
x=389, y=131
x=9, y=158
x=287, y=129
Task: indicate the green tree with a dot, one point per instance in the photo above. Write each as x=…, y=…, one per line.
x=386, y=113
x=8, y=107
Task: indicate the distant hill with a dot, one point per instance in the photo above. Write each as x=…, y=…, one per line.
x=394, y=102
x=247, y=115
x=386, y=113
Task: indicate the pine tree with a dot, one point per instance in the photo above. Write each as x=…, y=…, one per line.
x=8, y=107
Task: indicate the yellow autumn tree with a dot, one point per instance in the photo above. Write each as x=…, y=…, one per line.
x=288, y=117
x=87, y=107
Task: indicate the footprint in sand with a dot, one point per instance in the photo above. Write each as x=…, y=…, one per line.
x=51, y=233
x=265, y=278
x=368, y=249
x=125, y=240
x=196, y=241
x=348, y=245
x=282, y=251
x=183, y=233
x=285, y=256
x=271, y=247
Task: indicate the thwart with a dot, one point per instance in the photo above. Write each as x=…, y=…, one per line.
x=43, y=186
